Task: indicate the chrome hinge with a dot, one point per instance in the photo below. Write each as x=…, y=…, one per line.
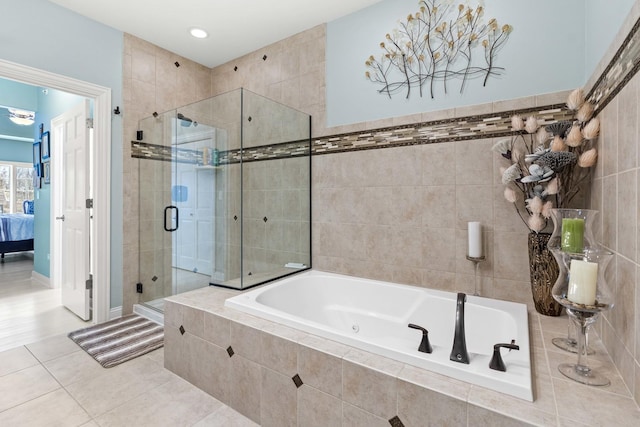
x=89, y=282
x=89, y=203
x=89, y=123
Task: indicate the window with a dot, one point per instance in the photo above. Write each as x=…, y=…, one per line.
x=16, y=186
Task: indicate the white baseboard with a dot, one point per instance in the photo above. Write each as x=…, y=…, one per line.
x=149, y=313
x=41, y=279
x=115, y=313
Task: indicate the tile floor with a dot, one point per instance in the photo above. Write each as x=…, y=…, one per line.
x=47, y=380
x=29, y=311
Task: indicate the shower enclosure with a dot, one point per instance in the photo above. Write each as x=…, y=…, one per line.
x=224, y=195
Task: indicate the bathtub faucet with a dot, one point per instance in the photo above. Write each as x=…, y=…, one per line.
x=459, y=350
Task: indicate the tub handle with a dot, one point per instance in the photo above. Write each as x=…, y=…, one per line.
x=425, y=346
x=496, y=361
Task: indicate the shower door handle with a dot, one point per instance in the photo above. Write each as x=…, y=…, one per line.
x=168, y=227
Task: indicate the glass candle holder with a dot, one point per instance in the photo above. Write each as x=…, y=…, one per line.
x=574, y=232
x=582, y=289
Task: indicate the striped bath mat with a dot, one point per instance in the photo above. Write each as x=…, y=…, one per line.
x=119, y=340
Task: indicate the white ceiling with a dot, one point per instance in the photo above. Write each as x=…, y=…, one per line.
x=235, y=27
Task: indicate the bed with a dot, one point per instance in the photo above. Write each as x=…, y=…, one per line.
x=16, y=233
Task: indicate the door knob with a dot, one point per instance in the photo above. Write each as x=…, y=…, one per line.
x=60, y=217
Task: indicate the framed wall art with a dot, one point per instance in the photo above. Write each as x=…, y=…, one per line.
x=46, y=146
x=46, y=172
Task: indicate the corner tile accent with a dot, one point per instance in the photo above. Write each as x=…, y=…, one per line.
x=297, y=380
x=230, y=351
x=619, y=71
x=396, y=422
x=181, y=329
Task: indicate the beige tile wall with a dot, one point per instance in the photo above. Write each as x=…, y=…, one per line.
x=615, y=195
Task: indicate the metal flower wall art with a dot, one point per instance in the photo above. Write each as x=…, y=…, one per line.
x=437, y=45
x=546, y=166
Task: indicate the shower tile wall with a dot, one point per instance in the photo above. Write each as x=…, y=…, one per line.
x=276, y=194
x=400, y=213
x=151, y=83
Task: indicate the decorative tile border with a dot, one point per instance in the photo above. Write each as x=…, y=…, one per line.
x=457, y=129
x=144, y=150
x=622, y=67
x=618, y=73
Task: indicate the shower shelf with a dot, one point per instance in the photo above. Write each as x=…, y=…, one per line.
x=208, y=167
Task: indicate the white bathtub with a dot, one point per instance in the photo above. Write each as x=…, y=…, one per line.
x=373, y=316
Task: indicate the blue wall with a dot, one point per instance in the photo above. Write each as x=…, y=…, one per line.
x=8, y=129
x=43, y=35
x=602, y=22
x=16, y=151
x=18, y=95
x=546, y=52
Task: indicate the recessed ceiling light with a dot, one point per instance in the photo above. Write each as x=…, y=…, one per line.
x=198, y=33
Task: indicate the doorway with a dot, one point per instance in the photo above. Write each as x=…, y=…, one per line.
x=101, y=172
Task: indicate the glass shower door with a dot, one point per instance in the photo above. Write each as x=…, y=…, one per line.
x=157, y=211
x=176, y=220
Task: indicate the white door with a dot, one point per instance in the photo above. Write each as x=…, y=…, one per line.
x=73, y=136
x=193, y=244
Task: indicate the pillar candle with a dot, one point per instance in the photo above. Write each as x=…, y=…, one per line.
x=583, y=277
x=572, y=234
x=475, y=240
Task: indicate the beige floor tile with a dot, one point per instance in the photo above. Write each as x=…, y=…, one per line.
x=157, y=356
x=56, y=408
x=118, y=385
x=22, y=386
x=176, y=403
x=15, y=359
x=74, y=367
x=52, y=348
x=225, y=417
x=29, y=311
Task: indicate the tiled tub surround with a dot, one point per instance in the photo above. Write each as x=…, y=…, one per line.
x=280, y=376
x=374, y=316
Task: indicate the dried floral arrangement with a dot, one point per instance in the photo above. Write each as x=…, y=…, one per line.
x=548, y=165
x=437, y=43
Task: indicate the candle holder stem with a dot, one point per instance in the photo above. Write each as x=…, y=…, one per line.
x=570, y=343
x=476, y=261
x=580, y=371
